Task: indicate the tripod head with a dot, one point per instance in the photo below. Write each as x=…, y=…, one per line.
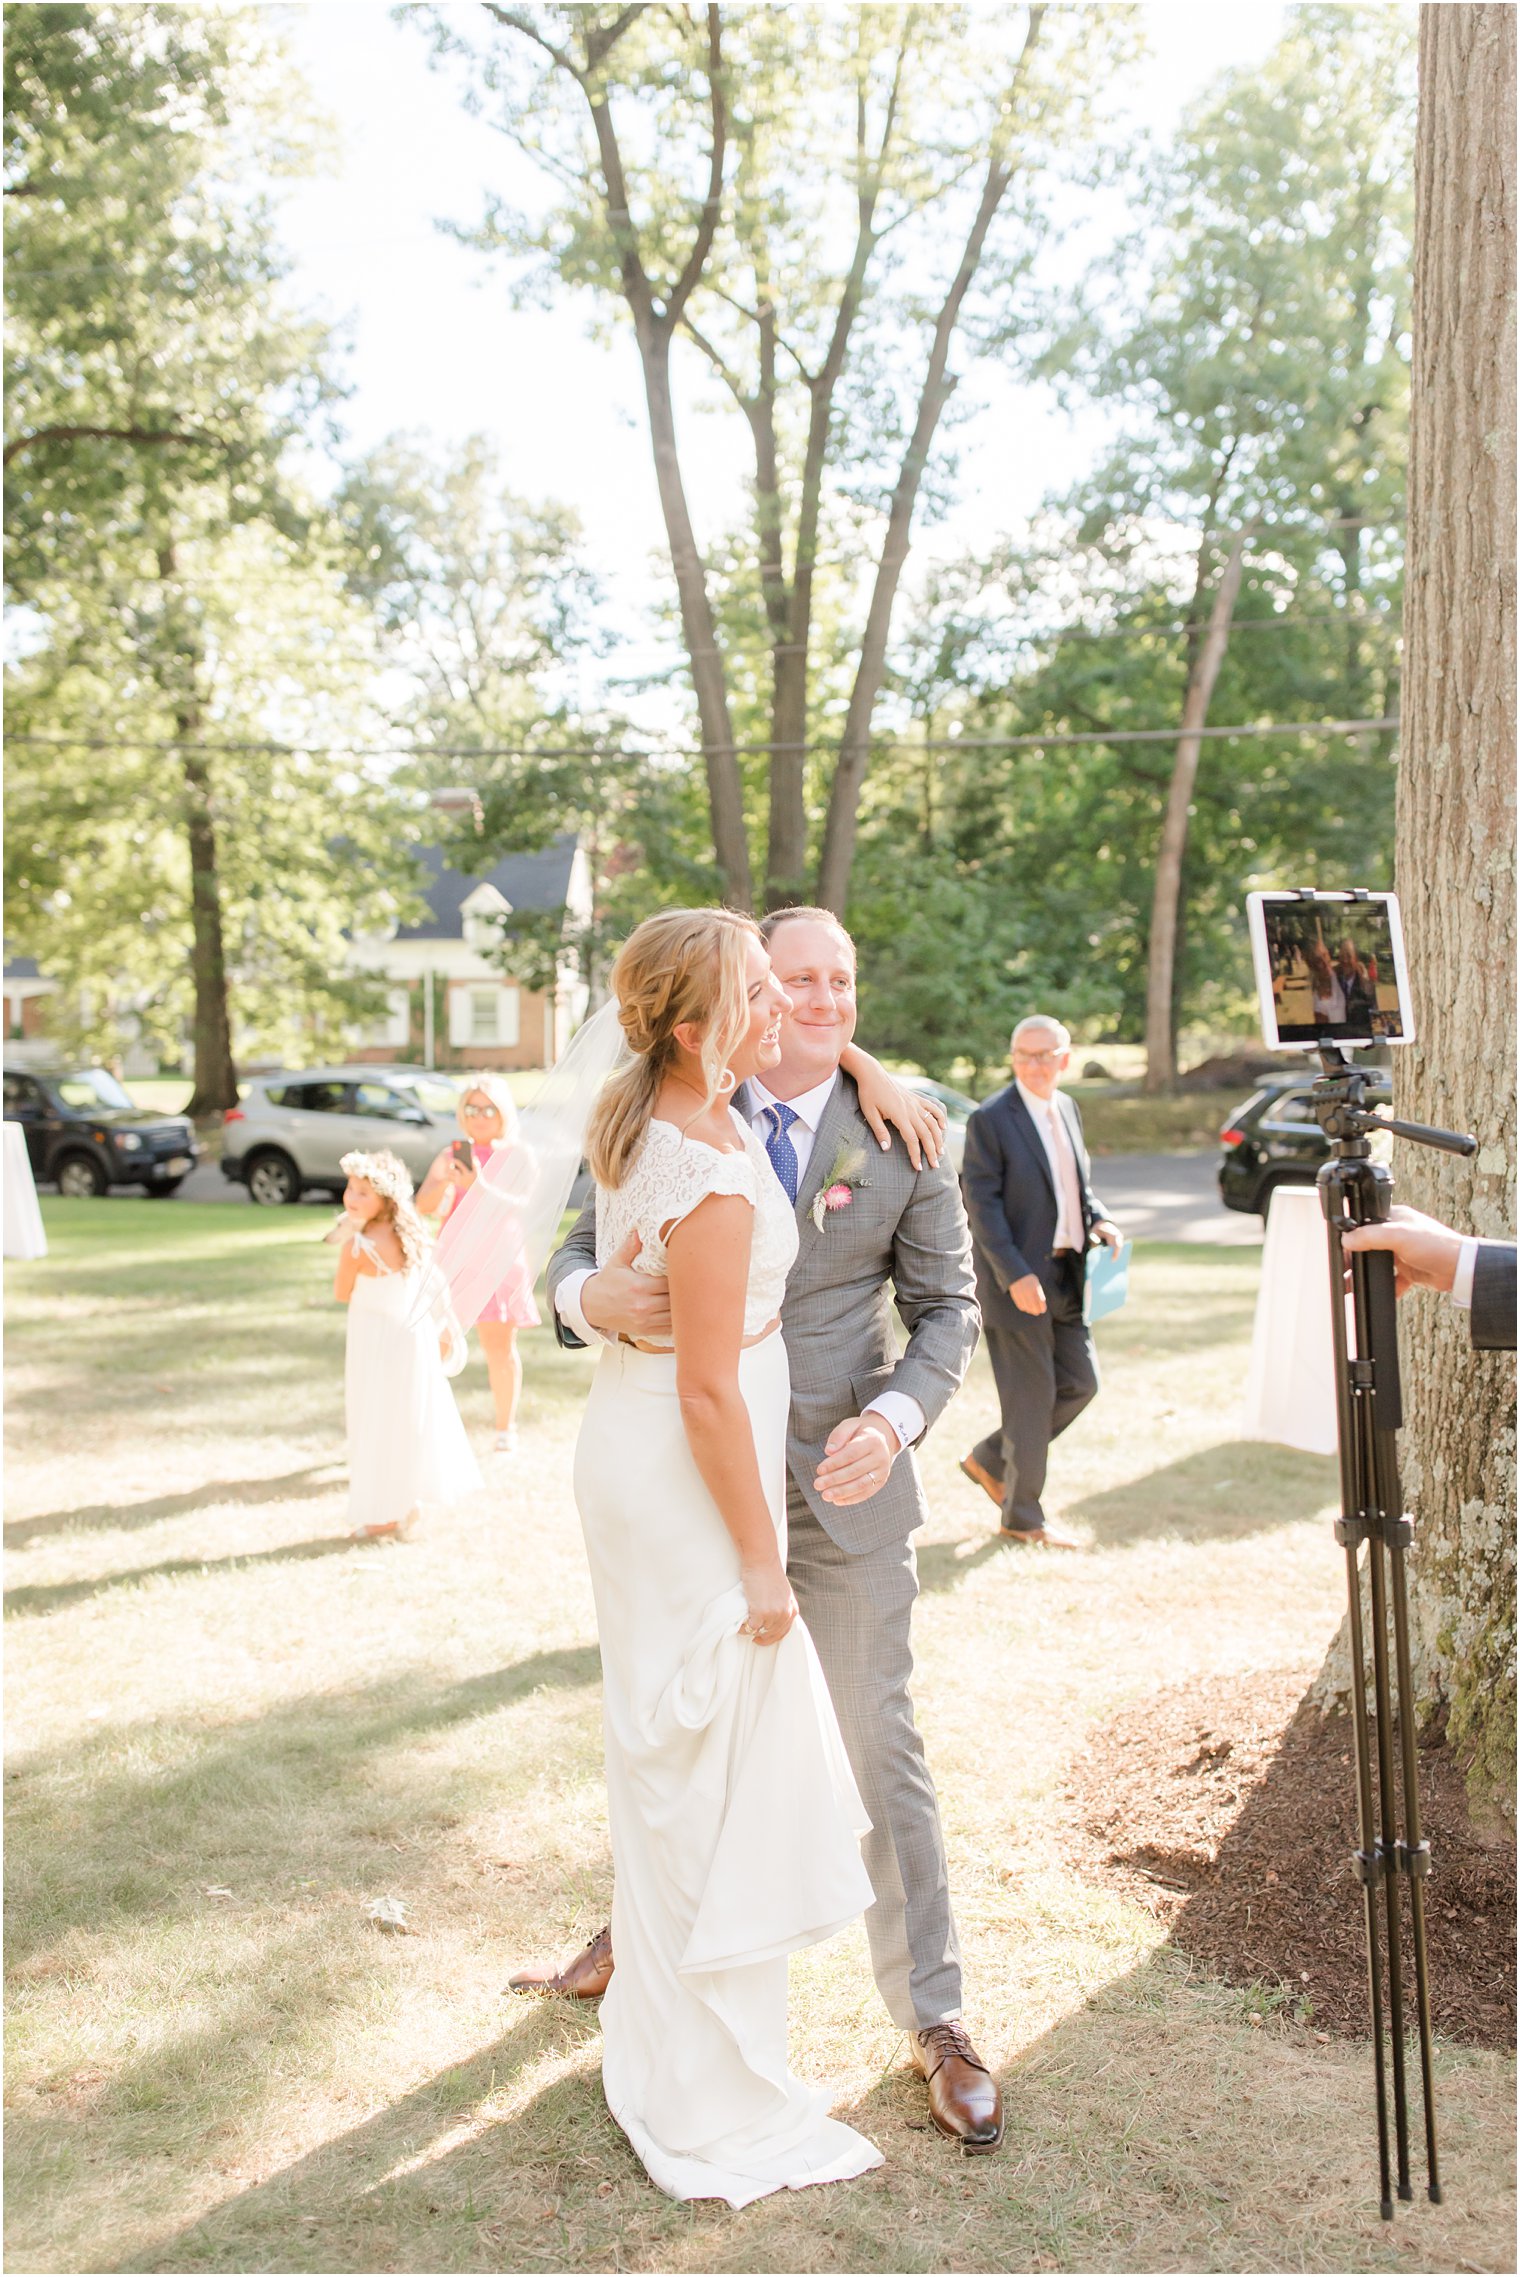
x=1342, y=1112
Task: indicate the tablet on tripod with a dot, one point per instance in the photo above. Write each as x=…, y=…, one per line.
x=1330, y=969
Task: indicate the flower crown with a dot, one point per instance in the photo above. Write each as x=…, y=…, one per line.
x=386, y=1172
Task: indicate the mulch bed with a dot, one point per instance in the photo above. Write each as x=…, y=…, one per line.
x=1229, y=1810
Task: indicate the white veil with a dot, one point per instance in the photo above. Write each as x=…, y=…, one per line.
x=510, y=1216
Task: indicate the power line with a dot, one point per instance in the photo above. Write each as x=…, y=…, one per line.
x=702, y=751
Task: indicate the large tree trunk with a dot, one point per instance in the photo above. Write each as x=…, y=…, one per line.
x=1160, y=1029
x=215, y=1086
x=1456, y=876
x=215, y=1074
x=725, y=792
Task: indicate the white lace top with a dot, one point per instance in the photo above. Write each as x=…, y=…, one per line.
x=670, y=1175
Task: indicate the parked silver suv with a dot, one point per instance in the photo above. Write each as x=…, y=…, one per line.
x=289, y=1132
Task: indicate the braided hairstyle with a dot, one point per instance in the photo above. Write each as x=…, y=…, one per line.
x=683, y=965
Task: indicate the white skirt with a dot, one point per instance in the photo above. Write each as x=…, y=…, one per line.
x=735, y=1820
x=406, y=1444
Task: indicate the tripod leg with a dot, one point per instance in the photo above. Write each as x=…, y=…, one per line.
x=1417, y=1859
x=1370, y=1870
x=1388, y=1850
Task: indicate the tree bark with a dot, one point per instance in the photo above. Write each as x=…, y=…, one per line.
x=1160, y=1031
x=1455, y=869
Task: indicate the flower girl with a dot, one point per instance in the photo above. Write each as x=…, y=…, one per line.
x=406, y=1444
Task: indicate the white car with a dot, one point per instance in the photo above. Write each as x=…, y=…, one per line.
x=289, y=1131
x=958, y=1109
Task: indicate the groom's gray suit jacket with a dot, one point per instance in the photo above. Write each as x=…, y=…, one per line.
x=903, y=1234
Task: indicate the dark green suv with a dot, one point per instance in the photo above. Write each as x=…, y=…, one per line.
x=1273, y=1140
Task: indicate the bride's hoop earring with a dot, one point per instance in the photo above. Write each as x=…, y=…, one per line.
x=726, y=1082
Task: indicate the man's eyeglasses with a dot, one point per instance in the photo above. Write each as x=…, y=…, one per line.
x=1035, y=1058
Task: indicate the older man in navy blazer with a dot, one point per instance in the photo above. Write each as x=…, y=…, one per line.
x=1033, y=1218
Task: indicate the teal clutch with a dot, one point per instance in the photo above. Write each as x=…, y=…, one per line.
x=1107, y=1281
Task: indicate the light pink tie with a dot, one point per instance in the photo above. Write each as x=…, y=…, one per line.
x=1069, y=1192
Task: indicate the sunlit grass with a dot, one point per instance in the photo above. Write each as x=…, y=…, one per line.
x=211, y=1691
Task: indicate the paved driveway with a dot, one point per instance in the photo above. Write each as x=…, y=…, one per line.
x=1170, y=1197
x=1155, y=1197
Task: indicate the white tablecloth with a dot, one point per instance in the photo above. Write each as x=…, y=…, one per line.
x=1290, y=1384
x=24, y=1236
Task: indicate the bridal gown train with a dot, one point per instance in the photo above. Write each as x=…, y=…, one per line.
x=735, y=1819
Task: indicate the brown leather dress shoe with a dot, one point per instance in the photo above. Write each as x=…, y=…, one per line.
x=1040, y=1537
x=965, y=2101
x=585, y=1978
x=979, y=1475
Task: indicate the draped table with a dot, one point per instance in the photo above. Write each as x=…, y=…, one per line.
x=23, y=1234
x=1290, y=1383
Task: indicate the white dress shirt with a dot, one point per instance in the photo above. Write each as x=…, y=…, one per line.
x=1070, y=1231
x=1460, y=1292
x=904, y=1415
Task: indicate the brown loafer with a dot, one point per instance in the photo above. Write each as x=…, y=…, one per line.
x=965, y=2101
x=979, y=1475
x=585, y=1978
x=1039, y=1537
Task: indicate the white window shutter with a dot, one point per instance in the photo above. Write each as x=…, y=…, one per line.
x=398, y=1028
x=459, y=1016
x=509, y=1017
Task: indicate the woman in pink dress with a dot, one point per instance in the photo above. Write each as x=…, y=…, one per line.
x=489, y=1119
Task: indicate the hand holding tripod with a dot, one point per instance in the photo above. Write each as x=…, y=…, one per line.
x=1354, y=1190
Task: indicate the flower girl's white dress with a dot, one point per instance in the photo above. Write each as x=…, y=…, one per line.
x=406, y=1444
x=735, y=1819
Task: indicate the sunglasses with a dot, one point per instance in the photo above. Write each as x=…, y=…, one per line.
x=467, y=1109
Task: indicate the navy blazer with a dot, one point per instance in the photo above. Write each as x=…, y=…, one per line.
x=1493, y=1297
x=1011, y=1197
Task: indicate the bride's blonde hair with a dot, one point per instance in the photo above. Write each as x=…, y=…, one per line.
x=684, y=965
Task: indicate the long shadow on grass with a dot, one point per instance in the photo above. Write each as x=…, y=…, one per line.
x=51, y=1597
x=1222, y=1493
x=434, y=2182
x=945, y=1565
x=289, y=1485
x=132, y=1822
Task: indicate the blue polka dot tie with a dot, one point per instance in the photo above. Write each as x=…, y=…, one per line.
x=779, y=1147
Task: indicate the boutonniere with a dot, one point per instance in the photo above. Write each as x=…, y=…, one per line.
x=842, y=1184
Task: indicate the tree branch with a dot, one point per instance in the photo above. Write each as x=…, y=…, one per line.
x=712, y=204
x=149, y=437
x=524, y=24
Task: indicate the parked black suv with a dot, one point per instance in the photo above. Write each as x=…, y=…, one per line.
x=85, y=1133
x=1274, y=1140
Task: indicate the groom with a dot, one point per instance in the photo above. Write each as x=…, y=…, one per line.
x=872, y=1229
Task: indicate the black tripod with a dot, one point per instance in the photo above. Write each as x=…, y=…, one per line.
x=1354, y=1190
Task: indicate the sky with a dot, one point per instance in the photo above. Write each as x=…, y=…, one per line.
x=438, y=351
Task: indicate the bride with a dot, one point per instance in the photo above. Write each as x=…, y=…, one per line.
x=735, y=1821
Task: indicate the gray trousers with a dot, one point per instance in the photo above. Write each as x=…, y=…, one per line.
x=859, y=1609
x=1046, y=1371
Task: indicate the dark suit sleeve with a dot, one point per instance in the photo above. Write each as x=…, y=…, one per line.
x=1493, y=1297
x=936, y=1292
x=1094, y=1207
x=576, y=1254
x=983, y=1172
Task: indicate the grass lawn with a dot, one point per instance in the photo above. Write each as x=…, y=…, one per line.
x=231, y=1730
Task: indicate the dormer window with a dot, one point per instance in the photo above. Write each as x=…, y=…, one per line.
x=481, y=913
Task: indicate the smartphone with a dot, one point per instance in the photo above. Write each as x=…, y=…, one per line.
x=463, y=1153
x=1330, y=969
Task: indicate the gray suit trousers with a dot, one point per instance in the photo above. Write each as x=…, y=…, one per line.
x=858, y=1607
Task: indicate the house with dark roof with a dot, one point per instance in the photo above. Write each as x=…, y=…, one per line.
x=26, y=993
x=451, y=1005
